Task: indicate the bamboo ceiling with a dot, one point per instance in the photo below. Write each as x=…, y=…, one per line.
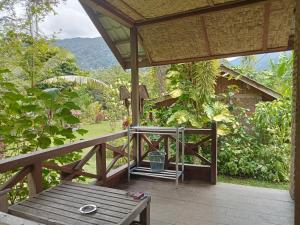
x=174, y=31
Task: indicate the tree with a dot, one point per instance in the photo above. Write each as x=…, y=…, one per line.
x=32, y=60
x=32, y=13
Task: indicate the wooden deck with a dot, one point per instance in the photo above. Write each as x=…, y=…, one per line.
x=194, y=203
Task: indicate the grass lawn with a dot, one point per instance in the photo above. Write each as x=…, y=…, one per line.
x=99, y=129
x=253, y=182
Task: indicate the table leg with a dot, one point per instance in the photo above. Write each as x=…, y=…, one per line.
x=145, y=215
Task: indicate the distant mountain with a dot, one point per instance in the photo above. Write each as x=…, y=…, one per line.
x=262, y=60
x=90, y=53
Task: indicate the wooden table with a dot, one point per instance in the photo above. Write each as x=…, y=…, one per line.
x=60, y=206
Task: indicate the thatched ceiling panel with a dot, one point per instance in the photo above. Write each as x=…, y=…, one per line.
x=127, y=9
x=235, y=30
x=150, y=9
x=281, y=23
x=167, y=40
x=215, y=2
x=173, y=31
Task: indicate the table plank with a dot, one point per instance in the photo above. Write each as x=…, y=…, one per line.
x=72, y=209
x=7, y=219
x=127, y=198
x=91, y=198
x=43, y=216
x=85, y=201
x=95, y=187
x=88, y=194
x=66, y=213
x=78, y=203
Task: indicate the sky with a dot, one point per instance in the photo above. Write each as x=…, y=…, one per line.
x=70, y=21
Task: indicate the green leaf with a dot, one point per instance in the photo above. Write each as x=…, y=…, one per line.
x=30, y=134
x=82, y=131
x=59, y=141
x=176, y=93
x=71, y=105
x=23, y=123
x=68, y=133
x=71, y=119
x=4, y=70
x=30, y=108
x=12, y=97
x=44, y=141
x=52, y=130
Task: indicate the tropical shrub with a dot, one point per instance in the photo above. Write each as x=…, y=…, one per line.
x=32, y=119
x=262, y=152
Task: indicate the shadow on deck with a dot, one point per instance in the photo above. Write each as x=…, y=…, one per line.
x=195, y=203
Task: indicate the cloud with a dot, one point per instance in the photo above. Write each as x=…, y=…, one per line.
x=69, y=21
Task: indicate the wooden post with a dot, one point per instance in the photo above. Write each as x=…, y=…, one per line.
x=35, y=179
x=145, y=215
x=101, y=163
x=134, y=84
x=4, y=200
x=214, y=149
x=296, y=117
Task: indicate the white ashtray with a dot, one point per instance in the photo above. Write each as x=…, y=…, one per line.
x=87, y=209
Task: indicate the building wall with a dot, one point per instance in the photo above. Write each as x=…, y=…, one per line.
x=247, y=96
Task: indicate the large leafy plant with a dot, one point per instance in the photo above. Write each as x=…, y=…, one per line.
x=32, y=119
x=193, y=87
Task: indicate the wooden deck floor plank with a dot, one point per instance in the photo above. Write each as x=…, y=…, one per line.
x=208, y=195
x=222, y=204
x=75, y=203
x=99, y=200
x=72, y=209
x=116, y=200
x=65, y=213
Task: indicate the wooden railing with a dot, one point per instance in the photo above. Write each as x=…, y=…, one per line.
x=30, y=165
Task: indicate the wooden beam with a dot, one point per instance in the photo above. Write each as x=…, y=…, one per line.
x=101, y=163
x=19, y=176
x=141, y=40
x=122, y=42
x=93, y=16
x=199, y=11
x=35, y=179
x=296, y=116
x=134, y=76
x=67, y=170
x=214, y=152
x=4, y=200
x=135, y=98
x=107, y=9
x=45, y=154
x=266, y=25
